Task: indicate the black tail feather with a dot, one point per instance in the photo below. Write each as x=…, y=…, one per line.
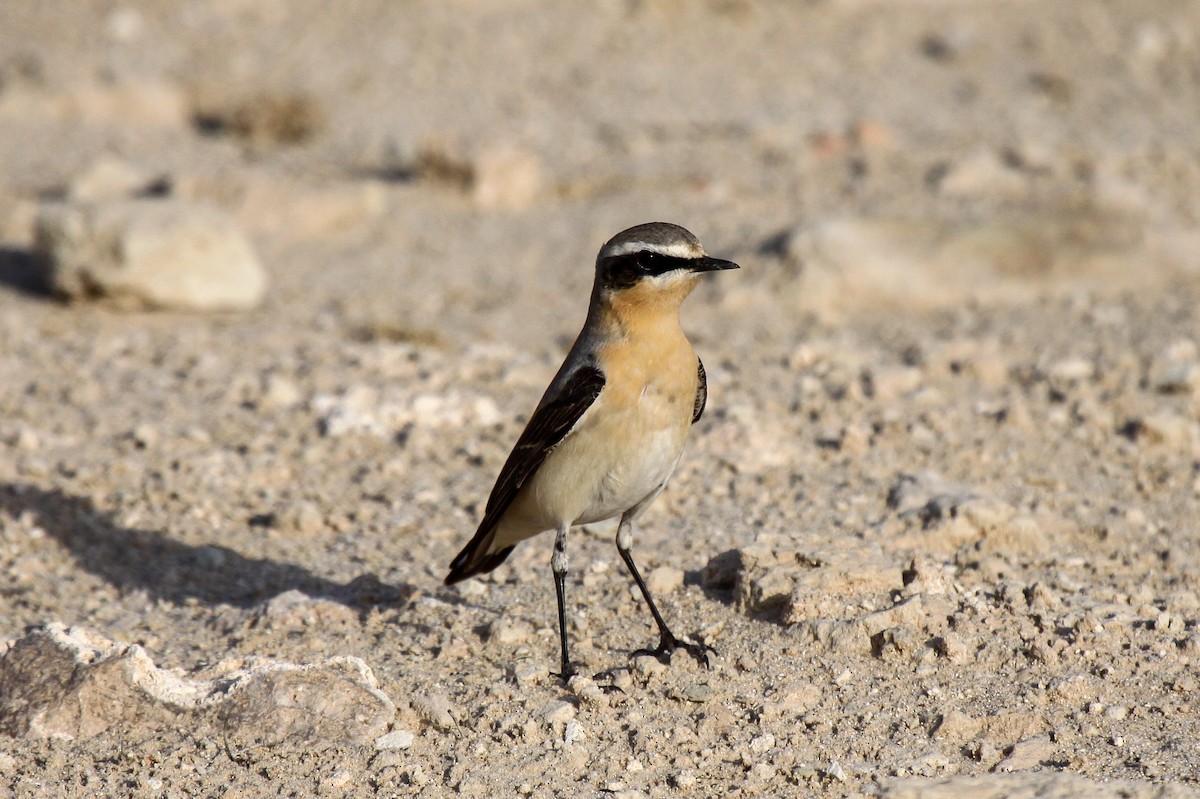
x=462, y=566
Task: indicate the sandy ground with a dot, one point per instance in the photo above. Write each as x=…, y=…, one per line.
x=940, y=519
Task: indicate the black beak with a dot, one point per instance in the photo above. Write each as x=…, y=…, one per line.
x=707, y=264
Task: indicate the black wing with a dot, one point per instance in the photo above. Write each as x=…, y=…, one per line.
x=701, y=393
x=550, y=423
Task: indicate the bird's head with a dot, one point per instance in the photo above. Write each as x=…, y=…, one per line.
x=657, y=263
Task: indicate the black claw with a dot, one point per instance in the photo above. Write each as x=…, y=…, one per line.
x=565, y=675
x=669, y=643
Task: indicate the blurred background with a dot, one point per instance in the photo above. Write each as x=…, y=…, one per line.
x=456, y=156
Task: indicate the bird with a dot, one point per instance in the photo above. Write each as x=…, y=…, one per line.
x=610, y=429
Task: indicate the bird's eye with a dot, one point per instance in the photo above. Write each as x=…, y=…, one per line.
x=647, y=260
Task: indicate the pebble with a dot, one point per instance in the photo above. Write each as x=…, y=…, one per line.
x=111, y=178
x=1072, y=370
x=1028, y=754
x=135, y=104
x=890, y=383
x=763, y=772
x=684, y=779
x=279, y=393
x=1169, y=429
x=648, y=666
x=587, y=691
x=762, y=744
x=622, y=680
x=793, y=698
x=145, y=436
x=149, y=253
x=1176, y=368
x=573, y=733
x=531, y=672
x=697, y=693
x=557, y=713
x=664, y=580
x=303, y=517
x=981, y=173
x=511, y=631
x=396, y=739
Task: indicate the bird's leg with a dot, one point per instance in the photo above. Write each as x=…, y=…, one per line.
x=667, y=641
x=558, y=564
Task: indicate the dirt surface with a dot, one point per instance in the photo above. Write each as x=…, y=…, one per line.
x=940, y=519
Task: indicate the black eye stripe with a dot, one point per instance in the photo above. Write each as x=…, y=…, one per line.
x=622, y=271
x=656, y=263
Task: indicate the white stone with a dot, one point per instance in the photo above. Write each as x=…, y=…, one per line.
x=396, y=739
x=72, y=683
x=109, y=178
x=151, y=253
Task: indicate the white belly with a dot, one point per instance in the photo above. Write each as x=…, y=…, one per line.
x=610, y=463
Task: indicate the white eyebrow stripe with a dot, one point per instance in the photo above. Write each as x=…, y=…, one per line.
x=674, y=250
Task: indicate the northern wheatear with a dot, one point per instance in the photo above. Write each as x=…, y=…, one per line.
x=609, y=430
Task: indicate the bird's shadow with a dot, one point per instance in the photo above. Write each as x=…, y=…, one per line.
x=172, y=571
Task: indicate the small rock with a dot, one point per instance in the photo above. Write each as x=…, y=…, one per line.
x=279, y=393
x=794, y=698
x=511, y=631
x=151, y=253
x=123, y=103
x=762, y=744
x=111, y=178
x=586, y=690
x=530, y=673
x=557, y=713
x=294, y=609
x=835, y=771
x=1028, y=754
x=684, y=779
x=648, y=665
x=145, y=436
x=982, y=173
x=623, y=680
x=1169, y=429
x=573, y=733
x=890, y=383
x=698, y=693
x=664, y=580
x=957, y=727
x=396, y=739
x=302, y=517
x=71, y=683
x=1071, y=370
x=762, y=772
x=1176, y=369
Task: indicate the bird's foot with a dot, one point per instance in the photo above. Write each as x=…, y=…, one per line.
x=565, y=674
x=669, y=643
